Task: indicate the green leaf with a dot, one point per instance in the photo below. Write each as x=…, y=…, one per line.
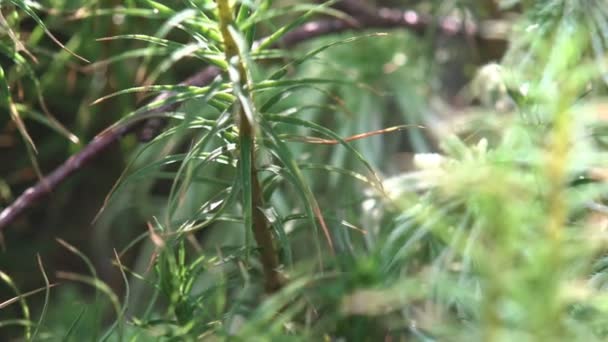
x=22, y=4
x=203, y=52
x=22, y=302
x=329, y=133
x=5, y=95
x=275, y=36
x=296, y=178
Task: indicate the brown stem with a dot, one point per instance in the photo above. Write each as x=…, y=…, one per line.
x=259, y=225
x=383, y=18
x=263, y=236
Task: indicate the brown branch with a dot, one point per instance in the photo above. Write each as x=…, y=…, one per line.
x=99, y=144
x=147, y=128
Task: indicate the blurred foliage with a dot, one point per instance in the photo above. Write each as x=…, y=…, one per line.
x=471, y=208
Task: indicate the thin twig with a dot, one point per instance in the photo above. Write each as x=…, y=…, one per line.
x=364, y=20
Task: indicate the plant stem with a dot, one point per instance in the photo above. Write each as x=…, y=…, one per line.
x=259, y=226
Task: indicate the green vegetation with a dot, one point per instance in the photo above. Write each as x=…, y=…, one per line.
x=337, y=172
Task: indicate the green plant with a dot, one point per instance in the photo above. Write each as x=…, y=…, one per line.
x=274, y=207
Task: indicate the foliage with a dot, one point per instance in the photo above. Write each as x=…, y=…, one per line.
x=275, y=203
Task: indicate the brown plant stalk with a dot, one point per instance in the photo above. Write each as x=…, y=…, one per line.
x=259, y=225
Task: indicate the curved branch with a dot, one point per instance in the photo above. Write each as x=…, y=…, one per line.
x=146, y=128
